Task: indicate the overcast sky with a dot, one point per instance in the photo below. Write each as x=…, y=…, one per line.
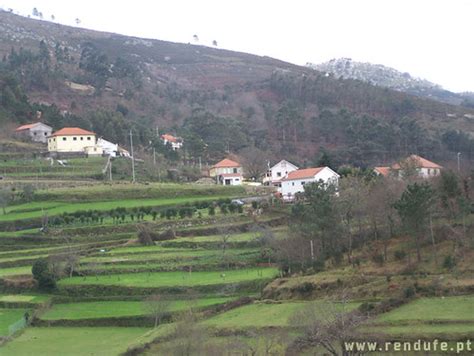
x=431, y=39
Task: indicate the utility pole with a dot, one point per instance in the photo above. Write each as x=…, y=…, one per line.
x=133, y=157
x=200, y=164
x=154, y=156
x=459, y=162
x=110, y=169
x=157, y=131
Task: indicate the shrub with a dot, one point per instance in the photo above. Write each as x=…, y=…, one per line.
x=255, y=204
x=449, y=262
x=409, y=292
x=399, y=255
x=42, y=274
x=145, y=235
x=212, y=211
x=366, y=307
x=378, y=259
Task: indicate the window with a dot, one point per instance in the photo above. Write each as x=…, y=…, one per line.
x=235, y=170
x=278, y=174
x=303, y=183
x=34, y=133
x=64, y=138
x=82, y=138
x=74, y=138
x=429, y=171
x=46, y=134
x=88, y=138
x=54, y=139
x=293, y=184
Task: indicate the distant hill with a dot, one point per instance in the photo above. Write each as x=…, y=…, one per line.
x=380, y=75
x=219, y=101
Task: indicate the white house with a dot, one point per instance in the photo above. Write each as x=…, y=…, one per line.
x=423, y=168
x=279, y=171
x=175, y=142
x=295, y=181
x=72, y=139
x=229, y=179
x=37, y=132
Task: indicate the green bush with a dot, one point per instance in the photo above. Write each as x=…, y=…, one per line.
x=43, y=275
x=449, y=262
x=399, y=255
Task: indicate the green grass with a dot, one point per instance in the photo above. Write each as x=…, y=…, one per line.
x=108, y=309
x=259, y=315
x=73, y=341
x=427, y=309
x=15, y=271
x=9, y=317
x=35, y=209
x=12, y=298
x=170, y=279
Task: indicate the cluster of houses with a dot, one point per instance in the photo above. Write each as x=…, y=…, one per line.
x=70, y=141
x=287, y=178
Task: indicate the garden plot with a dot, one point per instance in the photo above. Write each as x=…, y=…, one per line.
x=174, y=279
x=111, y=309
x=73, y=341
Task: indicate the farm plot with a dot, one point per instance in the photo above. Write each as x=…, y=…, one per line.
x=109, y=309
x=259, y=315
x=448, y=316
x=73, y=341
x=174, y=279
x=9, y=317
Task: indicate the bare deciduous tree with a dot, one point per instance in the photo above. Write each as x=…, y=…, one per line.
x=326, y=325
x=157, y=307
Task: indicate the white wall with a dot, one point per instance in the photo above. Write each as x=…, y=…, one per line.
x=290, y=187
x=69, y=144
x=281, y=169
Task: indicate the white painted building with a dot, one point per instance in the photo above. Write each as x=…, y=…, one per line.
x=424, y=168
x=279, y=171
x=175, y=142
x=229, y=179
x=295, y=181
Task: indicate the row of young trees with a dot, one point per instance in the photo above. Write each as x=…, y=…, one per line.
x=328, y=224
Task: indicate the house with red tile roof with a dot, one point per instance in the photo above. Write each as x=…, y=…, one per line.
x=295, y=181
x=73, y=140
x=420, y=166
x=175, y=142
x=37, y=132
x=227, y=172
x=277, y=172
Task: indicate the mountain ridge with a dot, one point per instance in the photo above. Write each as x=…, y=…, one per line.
x=388, y=77
x=109, y=83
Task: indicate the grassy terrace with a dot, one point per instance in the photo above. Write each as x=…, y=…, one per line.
x=109, y=309
x=429, y=309
x=13, y=298
x=260, y=315
x=171, y=279
x=9, y=317
x=167, y=255
x=73, y=341
x=452, y=316
x=35, y=209
x=15, y=271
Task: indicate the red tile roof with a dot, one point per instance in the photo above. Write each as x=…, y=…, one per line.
x=419, y=161
x=303, y=173
x=226, y=163
x=385, y=171
x=26, y=127
x=71, y=131
x=169, y=138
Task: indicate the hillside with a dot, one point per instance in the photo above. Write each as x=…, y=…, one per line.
x=216, y=99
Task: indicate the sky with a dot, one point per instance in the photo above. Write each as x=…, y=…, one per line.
x=430, y=39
